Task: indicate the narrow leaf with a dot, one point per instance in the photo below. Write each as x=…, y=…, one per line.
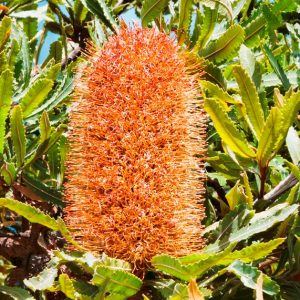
x=254, y=113
x=151, y=9
x=185, y=16
x=270, y=139
x=259, y=223
x=5, y=29
x=254, y=30
x=277, y=68
x=249, y=275
x=248, y=191
x=102, y=11
x=15, y=293
x=18, y=134
x=6, y=80
x=213, y=74
x=210, y=17
x=116, y=282
x=66, y=286
x=43, y=281
x=227, y=130
x=35, y=95
x=293, y=145
x=226, y=46
x=224, y=6
x=45, y=127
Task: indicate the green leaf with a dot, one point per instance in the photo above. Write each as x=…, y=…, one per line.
x=30, y=27
x=259, y=223
x=248, y=192
x=45, y=127
x=226, y=46
x=293, y=145
x=254, y=113
x=6, y=90
x=151, y=9
x=35, y=95
x=253, y=252
x=254, y=30
x=12, y=57
x=67, y=287
x=100, y=9
x=34, y=215
x=247, y=60
x=223, y=164
x=61, y=92
x=249, y=275
x=224, y=6
x=116, y=282
x=18, y=134
x=15, y=293
x=55, y=53
x=270, y=138
x=289, y=112
x=248, y=254
x=45, y=146
x=80, y=11
x=5, y=30
x=213, y=74
x=24, y=55
x=42, y=190
x=185, y=17
x=172, y=266
x=235, y=196
x=217, y=93
x=227, y=130
x=44, y=280
x=9, y=173
x=210, y=17
x=277, y=68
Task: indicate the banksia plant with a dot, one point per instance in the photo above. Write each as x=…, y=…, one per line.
x=137, y=147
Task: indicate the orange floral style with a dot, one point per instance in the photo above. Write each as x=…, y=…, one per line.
x=137, y=146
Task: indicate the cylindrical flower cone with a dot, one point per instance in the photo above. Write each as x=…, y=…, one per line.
x=137, y=147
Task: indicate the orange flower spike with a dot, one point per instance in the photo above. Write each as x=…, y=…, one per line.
x=137, y=148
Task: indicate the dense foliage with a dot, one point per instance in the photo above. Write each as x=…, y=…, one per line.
x=250, y=53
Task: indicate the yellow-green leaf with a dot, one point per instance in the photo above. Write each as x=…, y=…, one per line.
x=18, y=134
x=249, y=196
x=6, y=80
x=227, y=130
x=254, y=113
x=226, y=46
x=5, y=29
x=151, y=9
x=214, y=91
x=270, y=138
x=35, y=95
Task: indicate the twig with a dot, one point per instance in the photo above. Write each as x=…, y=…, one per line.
x=281, y=188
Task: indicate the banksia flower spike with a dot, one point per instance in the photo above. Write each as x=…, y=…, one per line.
x=135, y=168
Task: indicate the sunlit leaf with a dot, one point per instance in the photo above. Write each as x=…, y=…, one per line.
x=227, y=130
x=6, y=90
x=226, y=46
x=18, y=134
x=151, y=9
x=254, y=113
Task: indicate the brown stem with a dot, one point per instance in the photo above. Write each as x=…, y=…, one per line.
x=263, y=177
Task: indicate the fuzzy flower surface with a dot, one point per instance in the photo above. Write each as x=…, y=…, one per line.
x=137, y=147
